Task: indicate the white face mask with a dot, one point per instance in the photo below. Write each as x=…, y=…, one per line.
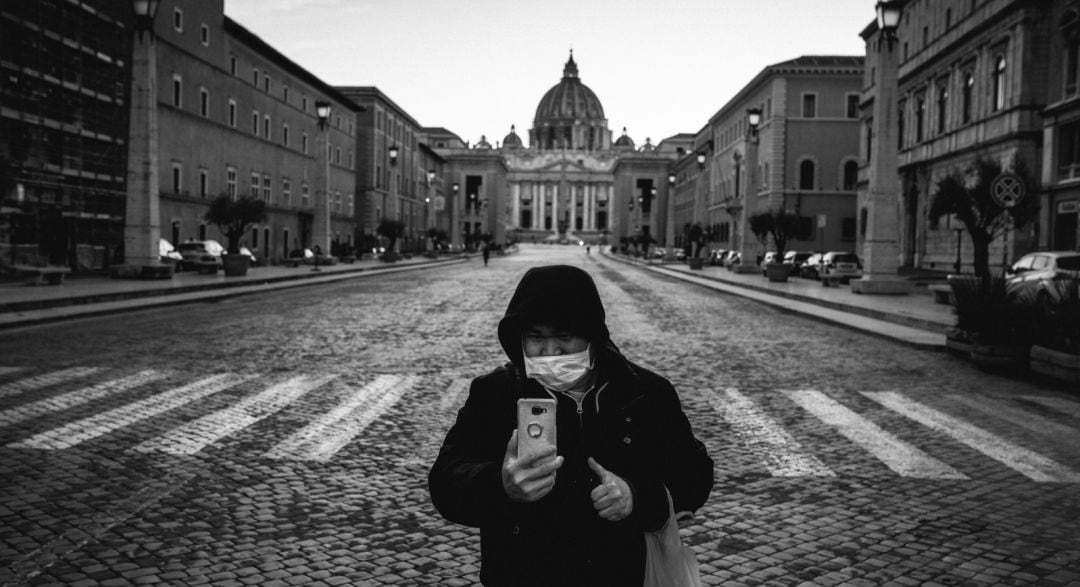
x=559, y=372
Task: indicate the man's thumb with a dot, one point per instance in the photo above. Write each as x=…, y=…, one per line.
x=599, y=470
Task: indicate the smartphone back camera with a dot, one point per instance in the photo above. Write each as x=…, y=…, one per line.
x=537, y=410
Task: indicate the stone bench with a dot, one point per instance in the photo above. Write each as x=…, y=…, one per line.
x=942, y=293
x=47, y=275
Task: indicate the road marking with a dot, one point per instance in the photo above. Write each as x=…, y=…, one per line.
x=99, y=424
x=322, y=439
x=45, y=380
x=1026, y=420
x=9, y=370
x=901, y=457
x=783, y=455
x=1026, y=462
x=198, y=434
x=1066, y=406
x=453, y=393
x=77, y=397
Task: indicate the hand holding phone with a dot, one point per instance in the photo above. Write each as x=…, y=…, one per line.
x=536, y=425
x=528, y=470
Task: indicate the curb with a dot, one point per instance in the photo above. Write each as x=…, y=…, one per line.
x=46, y=311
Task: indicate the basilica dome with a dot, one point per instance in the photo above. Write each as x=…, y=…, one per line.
x=570, y=116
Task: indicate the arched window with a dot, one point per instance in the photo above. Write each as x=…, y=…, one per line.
x=967, y=95
x=999, y=82
x=851, y=175
x=806, y=175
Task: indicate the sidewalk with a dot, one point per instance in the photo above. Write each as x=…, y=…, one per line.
x=81, y=296
x=913, y=319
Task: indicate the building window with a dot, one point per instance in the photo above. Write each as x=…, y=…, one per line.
x=948, y=18
x=303, y=142
x=286, y=190
x=285, y=94
x=920, y=118
x=204, y=35
x=266, y=191
x=901, y=125
x=204, y=102
x=285, y=134
x=232, y=65
x=851, y=175
x=255, y=76
x=999, y=82
x=337, y=155
x=178, y=20
x=304, y=195
x=255, y=122
x=266, y=128
x=204, y=183
x=852, y=105
x=1072, y=65
x=967, y=95
x=352, y=160
x=303, y=103
x=266, y=83
x=1069, y=151
x=202, y=232
x=847, y=229
x=942, y=106
x=177, y=174
x=232, y=113
x=255, y=182
x=809, y=105
x=230, y=182
x=806, y=175
x=177, y=90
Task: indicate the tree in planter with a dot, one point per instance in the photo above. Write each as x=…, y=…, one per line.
x=235, y=217
x=391, y=230
x=778, y=224
x=695, y=239
x=437, y=237
x=984, y=219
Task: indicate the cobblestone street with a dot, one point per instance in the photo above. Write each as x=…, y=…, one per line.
x=284, y=439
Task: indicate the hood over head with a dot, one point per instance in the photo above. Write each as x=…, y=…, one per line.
x=559, y=295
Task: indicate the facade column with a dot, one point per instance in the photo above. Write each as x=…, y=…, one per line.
x=515, y=199
x=573, y=207
x=555, y=208
x=745, y=240
x=588, y=207
x=142, y=224
x=878, y=209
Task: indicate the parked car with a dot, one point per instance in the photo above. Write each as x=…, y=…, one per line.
x=732, y=257
x=658, y=253
x=840, y=265
x=168, y=254
x=811, y=267
x=680, y=254
x=201, y=255
x=716, y=257
x=769, y=257
x=1030, y=277
x=795, y=259
x=308, y=257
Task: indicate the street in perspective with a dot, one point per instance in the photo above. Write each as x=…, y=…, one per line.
x=284, y=438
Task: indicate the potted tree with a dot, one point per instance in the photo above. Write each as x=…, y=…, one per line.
x=234, y=218
x=782, y=227
x=695, y=242
x=994, y=330
x=391, y=230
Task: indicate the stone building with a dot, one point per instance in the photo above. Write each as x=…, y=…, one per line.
x=974, y=81
x=237, y=117
x=1060, y=174
x=63, y=132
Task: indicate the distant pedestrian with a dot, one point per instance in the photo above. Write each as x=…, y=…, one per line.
x=587, y=250
x=486, y=251
x=579, y=513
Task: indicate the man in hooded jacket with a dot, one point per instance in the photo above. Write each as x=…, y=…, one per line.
x=577, y=518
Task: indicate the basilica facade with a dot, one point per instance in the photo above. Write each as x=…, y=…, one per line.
x=571, y=183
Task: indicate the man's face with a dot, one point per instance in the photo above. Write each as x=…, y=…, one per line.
x=544, y=340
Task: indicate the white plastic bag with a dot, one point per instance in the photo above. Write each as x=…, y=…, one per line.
x=668, y=563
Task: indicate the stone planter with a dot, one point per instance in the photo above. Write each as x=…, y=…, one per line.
x=958, y=342
x=1059, y=365
x=235, y=265
x=777, y=272
x=696, y=262
x=999, y=356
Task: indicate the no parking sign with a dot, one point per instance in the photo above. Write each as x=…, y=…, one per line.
x=1007, y=190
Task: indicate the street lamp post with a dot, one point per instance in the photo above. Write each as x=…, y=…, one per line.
x=142, y=223
x=744, y=239
x=880, y=246
x=321, y=228
x=669, y=220
x=454, y=220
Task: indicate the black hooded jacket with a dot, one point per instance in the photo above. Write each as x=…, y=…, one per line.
x=632, y=423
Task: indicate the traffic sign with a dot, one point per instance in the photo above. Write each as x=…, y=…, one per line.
x=1007, y=189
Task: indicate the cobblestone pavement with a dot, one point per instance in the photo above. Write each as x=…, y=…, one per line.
x=284, y=439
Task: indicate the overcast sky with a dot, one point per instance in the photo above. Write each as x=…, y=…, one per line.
x=477, y=66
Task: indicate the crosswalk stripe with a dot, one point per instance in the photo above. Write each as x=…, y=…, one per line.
x=77, y=397
x=198, y=434
x=783, y=455
x=453, y=393
x=9, y=370
x=1063, y=405
x=901, y=457
x=99, y=424
x=1026, y=420
x=322, y=439
x=1026, y=462
x=45, y=380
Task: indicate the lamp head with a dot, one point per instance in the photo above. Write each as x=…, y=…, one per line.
x=671, y=179
x=753, y=116
x=888, y=16
x=430, y=175
x=393, y=152
x=701, y=159
x=322, y=111
x=145, y=11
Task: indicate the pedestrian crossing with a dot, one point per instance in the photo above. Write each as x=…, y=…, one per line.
x=333, y=415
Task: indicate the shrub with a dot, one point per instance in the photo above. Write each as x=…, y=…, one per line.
x=986, y=312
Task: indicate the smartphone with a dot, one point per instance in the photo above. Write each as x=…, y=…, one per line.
x=536, y=424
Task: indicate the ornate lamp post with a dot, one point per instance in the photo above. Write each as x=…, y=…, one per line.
x=142, y=223
x=744, y=238
x=393, y=152
x=321, y=229
x=877, y=209
x=669, y=220
x=455, y=223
